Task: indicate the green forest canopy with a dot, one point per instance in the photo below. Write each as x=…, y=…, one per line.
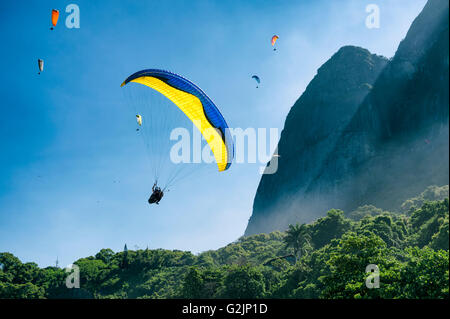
x=324, y=259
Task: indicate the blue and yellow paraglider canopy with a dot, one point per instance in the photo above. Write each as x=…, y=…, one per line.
x=197, y=106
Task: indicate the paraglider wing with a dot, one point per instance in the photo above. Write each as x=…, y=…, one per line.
x=139, y=119
x=274, y=39
x=55, y=16
x=40, y=65
x=256, y=79
x=196, y=105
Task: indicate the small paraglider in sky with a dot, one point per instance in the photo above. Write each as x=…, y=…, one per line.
x=274, y=40
x=256, y=79
x=138, y=120
x=40, y=65
x=55, y=16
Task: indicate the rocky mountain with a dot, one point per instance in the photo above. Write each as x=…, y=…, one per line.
x=365, y=131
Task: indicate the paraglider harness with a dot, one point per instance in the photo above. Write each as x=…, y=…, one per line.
x=156, y=196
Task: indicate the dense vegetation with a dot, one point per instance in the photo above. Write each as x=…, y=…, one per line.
x=325, y=259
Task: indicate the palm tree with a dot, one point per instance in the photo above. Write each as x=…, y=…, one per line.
x=298, y=238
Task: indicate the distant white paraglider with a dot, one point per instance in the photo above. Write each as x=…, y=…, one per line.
x=40, y=65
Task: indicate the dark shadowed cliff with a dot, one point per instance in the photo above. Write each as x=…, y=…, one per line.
x=365, y=131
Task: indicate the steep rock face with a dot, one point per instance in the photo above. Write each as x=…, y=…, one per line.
x=314, y=123
x=397, y=142
x=346, y=144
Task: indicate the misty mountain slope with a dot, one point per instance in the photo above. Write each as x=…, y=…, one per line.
x=314, y=123
x=391, y=146
x=397, y=143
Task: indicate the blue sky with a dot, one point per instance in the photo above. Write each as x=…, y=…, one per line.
x=66, y=135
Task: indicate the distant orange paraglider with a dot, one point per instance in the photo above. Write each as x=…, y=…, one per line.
x=55, y=16
x=274, y=39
